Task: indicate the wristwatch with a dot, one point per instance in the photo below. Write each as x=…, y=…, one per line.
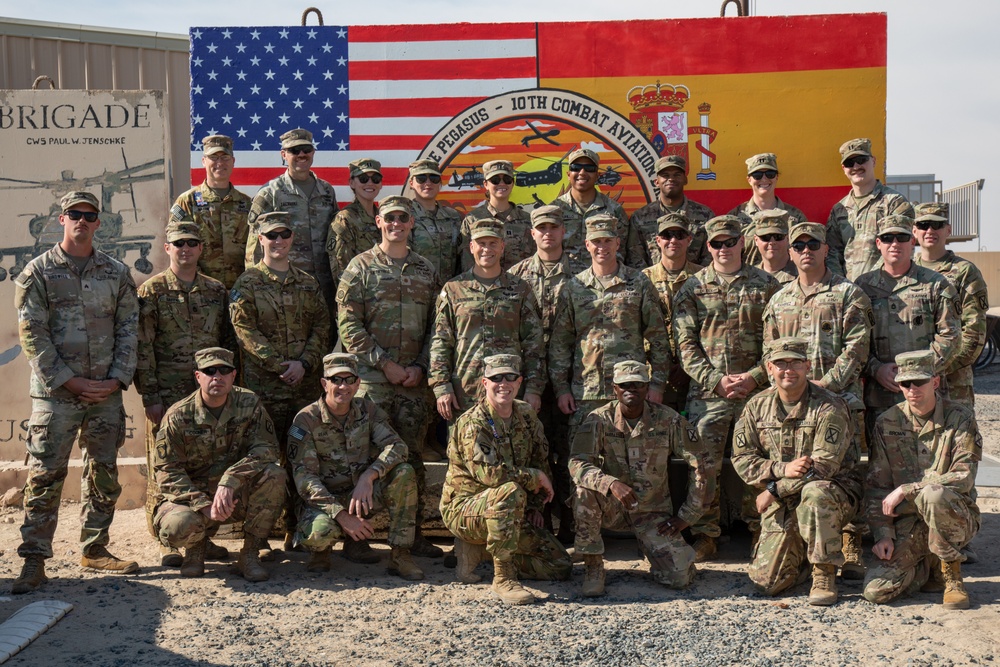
x=306, y=365
x=772, y=488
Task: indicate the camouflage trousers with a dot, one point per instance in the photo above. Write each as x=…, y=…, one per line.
x=282, y=404
x=958, y=387
x=797, y=534
x=396, y=493
x=938, y=523
x=671, y=559
x=259, y=501
x=53, y=427
x=556, y=426
x=408, y=415
x=496, y=517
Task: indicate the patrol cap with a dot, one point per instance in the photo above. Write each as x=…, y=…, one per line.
x=855, y=147
x=494, y=167
x=786, y=348
x=895, y=223
x=931, y=211
x=549, y=213
x=365, y=165
x=213, y=356
x=296, y=137
x=602, y=227
x=762, y=161
x=668, y=161
x=339, y=362
x=771, y=221
x=723, y=225
x=395, y=203
x=584, y=153
x=425, y=166
x=71, y=199
x=183, y=229
x=676, y=220
x=268, y=222
x=917, y=365
x=630, y=371
x=217, y=143
x=486, y=227
x=810, y=229
x=501, y=363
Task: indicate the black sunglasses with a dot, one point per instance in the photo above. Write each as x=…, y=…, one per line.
x=930, y=224
x=497, y=180
x=631, y=386
x=772, y=238
x=397, y=217
x=906, y=384
x=503, y=377
x=858, y=159
x=221, y=370
x=89, y=216
x=300, y=150
x=812, y=244
x=423, y=178
x=339, y=380
x=899, y=238
x=374, y=178
x=580, y=166
x=273, y=236
x=728, y=243
x=672, y=234
x=769, y=173
x=191, y=243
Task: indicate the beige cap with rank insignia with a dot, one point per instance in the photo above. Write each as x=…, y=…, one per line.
x=339, y=362
x=810, y=229
x=217, y=143
x=501, y=363
x=786, y=348
x=771, y=221
x=494, y=167
x=71, y=199
x=895, y=224
x=395, y=204
x=213, y=356
x=365, y=165
x=668, y=161
x=762, y=161
x=268, y=222
x=723, y=225
x=931, y=211
x=180, y=229
x=549, y=213
x=917, y=365
x=486, y=227
x=584, y=153
x=630, y=371
x=296, y=137
x=425, y=166
x=673, y=221
x=855, y=147
x=602, y=227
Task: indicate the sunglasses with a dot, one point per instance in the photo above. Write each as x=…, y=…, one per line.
x=851, y=161
x=423, y=178
x=497, y=180
x=401, y=218
x=300, y=150
x=785, y=364
x=767, y=173
x=895, y=238
x=772, y=238
x=191, y=243
x=674, y=234
x=579, y=166
x=364, y=178
x=930, y=224
x=274, y=236
x=812, y=244
x=217, y=370
x=89, y=216
x=503, y=377
x=339, y=380
x=906, y=384
x=632, y=386
x=728, y=243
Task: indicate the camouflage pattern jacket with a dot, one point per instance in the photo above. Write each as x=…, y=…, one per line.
x=643, y=225
x=852, y=227
x=352, y=232
x=518, y=244
x=667, y=286
x=224, y=229
x=575, y=220
x=435, y=237
x=546, y=285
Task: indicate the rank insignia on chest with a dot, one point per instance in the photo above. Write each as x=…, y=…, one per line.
x=827, y=327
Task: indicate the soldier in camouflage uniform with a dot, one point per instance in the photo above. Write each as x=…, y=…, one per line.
x=762, y=175
x=581, y=203
x=793, y=445
x=436, y=225
x=771, y=236
x=498, y=180
x=853, y=223
x=181, y=311
x=219, y=210
x=621, y=465
x=921, y=488
x=914, y=309
x=496, y=485
x=670, y=272
x=718, y=330
x=353, y=229
x=349, y=464
x=311, y=204
x=547, y=271
x=932, y=230
x=481, y=312
x=385, y=304
x=77, y=316
x=670, y=179
x=216, y=462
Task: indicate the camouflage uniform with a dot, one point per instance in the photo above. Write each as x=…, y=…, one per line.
x=196, y=453
x=804, y=525
x=222, y=222
x=518, y=244
x=606, y=449
x=643, y=224
x=935, y=463
x=667, y=285
x=74, y=323
x=328, y=457
x=575, y=219
x=493, y=481
x=852, y=228
x=435, y=237
x=746, y=213
x=352, y=232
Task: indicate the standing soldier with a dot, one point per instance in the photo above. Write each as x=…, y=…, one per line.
x=181, y=311
x=498, y=180
x=481, y=312
x=496, y=485
x=670, y=179
x=220, y=211
x=853, y=222
x=771, y=237
x=385, y=305
x=921, y=488
x=353, y=230
x=932, y=231
x=77, y=314
x=719, y=332
x=436, y=226
x=762, y=176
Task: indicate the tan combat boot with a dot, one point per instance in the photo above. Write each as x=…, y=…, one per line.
x=401, y=565
x=99, y=558
x=359, y=551
x=824, y=587
x=249, y=561
x=955, y=595
x=854, y=565
x=506, y=586
x=194, y=560
x=593, y=576
x=32, y=575
x=170, y=557
x=216, y=552
x=319, y=561
x=704, y=549
x=469, y=557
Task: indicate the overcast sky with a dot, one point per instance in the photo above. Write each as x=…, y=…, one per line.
x=943, y=58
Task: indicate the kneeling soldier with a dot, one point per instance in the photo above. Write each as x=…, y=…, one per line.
x=216, y=462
